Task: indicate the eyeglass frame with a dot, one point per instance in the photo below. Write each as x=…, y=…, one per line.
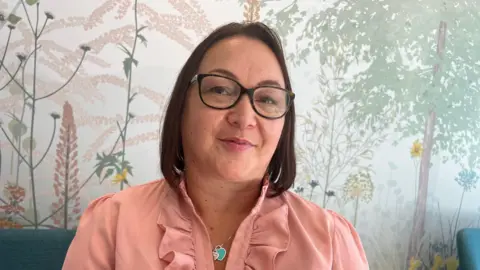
x=243, y=90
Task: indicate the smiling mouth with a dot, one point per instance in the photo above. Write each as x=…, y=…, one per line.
x=238, y=141
x=237, y=144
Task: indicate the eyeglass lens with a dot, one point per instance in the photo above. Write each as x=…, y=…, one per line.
x=221, y=93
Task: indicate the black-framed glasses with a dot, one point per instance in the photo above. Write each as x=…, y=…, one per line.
x=221, y=93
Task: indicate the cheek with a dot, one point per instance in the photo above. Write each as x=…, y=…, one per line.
x=199, y=122
x=272, y=132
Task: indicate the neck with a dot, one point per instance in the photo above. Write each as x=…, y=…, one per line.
x=219, y=197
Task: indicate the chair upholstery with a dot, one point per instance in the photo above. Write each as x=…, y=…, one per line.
x=468, y=248
x=23, y=249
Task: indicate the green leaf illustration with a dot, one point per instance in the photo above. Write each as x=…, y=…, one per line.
x=14, y=89
x=127, y=65
x=31, y=2
x=17, y=128
x=132, y=97
x=119, y=154
x=13, y=19
x=143, y=40
x=141, y=28
x=26, y=144
x=110, y=162
x=124, y=49
x=98, y=171
x=126, y=165
x=109, y=173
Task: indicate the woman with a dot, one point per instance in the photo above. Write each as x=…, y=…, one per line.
x=227, y=155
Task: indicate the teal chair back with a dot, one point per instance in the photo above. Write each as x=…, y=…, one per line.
x=468, y=248
x=22, y=249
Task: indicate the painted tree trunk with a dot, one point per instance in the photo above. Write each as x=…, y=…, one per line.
x=418, y=227
x=421, y=202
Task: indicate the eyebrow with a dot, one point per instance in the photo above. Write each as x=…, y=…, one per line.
x=233, y=76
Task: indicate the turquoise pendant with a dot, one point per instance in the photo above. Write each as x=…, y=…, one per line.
x=219, y=253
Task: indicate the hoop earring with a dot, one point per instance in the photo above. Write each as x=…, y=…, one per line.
x=277, y=177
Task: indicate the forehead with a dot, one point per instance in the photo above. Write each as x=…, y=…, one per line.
x=250, y=60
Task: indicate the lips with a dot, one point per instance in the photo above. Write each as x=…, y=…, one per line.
x=237, y=144
x=239, y=141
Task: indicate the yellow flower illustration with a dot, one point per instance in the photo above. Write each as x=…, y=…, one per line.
x=120, y=177
x=417, y=149
x=437, y=262
x=451, y=263
x=414, y=264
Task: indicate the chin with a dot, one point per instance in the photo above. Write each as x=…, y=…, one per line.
x=234, y=176
x=235, y=173
x=235, y=168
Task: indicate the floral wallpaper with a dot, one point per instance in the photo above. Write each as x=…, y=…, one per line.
x=388, y=92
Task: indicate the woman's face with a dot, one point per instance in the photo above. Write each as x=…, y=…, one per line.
x=234, y=144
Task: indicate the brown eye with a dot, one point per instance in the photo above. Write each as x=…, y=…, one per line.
x=266, y=100
x=220, y=90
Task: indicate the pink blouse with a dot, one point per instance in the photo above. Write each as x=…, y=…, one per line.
x=151, y=226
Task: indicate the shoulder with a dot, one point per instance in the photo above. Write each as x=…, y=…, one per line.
x=143, y=192
x=126, y=205
x=345, y=243
x=103, y=217
x=140, y=195
x=310, y=213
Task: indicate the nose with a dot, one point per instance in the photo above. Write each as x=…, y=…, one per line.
x=242, y=114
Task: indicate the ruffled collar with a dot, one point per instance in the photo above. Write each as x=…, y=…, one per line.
x=265, y=230
x=176, y=247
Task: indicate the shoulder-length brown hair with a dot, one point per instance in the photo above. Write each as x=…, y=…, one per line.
x=282, y=167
